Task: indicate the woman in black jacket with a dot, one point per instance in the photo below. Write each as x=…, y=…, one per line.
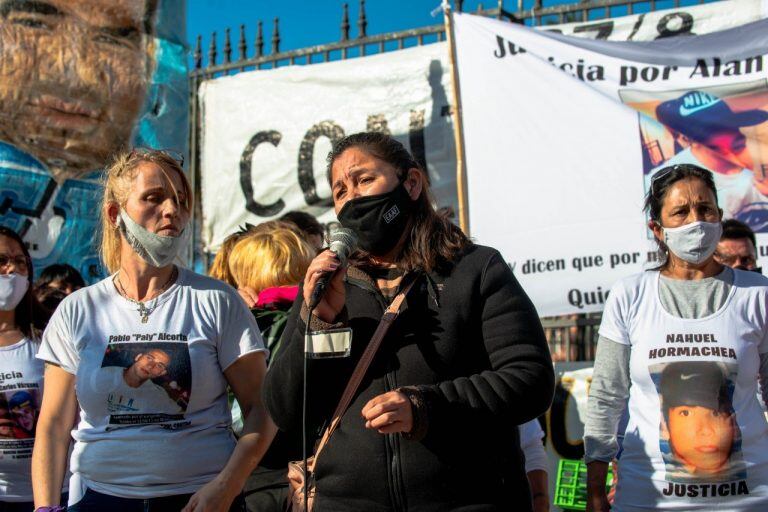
x=433, y=424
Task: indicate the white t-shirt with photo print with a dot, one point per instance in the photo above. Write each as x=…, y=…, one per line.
x=21, y=392
x=123, y=449
x=697, y=438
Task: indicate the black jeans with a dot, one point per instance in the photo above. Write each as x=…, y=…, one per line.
x=97, y=502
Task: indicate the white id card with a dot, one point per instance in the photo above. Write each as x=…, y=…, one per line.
x=330, y=343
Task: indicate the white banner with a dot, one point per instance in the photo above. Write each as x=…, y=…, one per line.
x=689, y=20
x=266, y=133
x=563, y=134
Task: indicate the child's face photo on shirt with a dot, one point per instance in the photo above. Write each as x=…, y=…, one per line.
x=701, y=438
x=699, y=435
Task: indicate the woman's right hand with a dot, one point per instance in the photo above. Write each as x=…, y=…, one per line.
x=332, y=301
x=598, y=502
x=597, y=499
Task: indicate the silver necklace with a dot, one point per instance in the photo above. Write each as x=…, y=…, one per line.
x=143, y=309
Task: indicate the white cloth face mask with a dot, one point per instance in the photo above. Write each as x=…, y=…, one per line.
x=156, y=250
x=694, y=242
x=13, y=286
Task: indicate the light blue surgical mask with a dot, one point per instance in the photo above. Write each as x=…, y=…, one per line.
x=13, y=286
x=694, y=242
x=156, y=250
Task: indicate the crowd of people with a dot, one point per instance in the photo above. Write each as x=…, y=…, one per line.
x=416, y=378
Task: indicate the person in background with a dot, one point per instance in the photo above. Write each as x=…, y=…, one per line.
x=21, y=322
x=737, y=247
x=129, y=454
x=694, y=421
x=313, y=231
x=61, y=277
x=531, y=436
x=268, y=264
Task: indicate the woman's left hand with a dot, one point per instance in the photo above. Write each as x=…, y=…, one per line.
x=214, y=496
x=389, y=413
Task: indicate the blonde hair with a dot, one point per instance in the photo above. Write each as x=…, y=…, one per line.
x=118, y=180
x=267, y=258
x=219, y=269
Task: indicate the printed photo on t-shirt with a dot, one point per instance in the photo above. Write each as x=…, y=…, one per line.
x=699, y=436
x=18, y=413
x=19, y=410
x=145, y=383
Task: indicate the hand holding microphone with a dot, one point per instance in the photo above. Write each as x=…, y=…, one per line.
x=324, y=281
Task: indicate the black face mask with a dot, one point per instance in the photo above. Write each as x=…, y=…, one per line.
x=378, y=221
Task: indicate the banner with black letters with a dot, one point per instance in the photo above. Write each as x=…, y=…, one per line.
x=266, y=134
x=563, y=137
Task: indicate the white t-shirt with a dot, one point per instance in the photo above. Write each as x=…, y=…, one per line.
x=531, y=435
x=154, y=417
x=734, y=191
x=696, y=437
x=21, y=392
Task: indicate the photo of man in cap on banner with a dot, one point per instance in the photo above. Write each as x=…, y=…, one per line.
x=707, y=130
x=699, y=438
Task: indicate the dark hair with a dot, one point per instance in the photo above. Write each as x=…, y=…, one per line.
x=435, y=242
x=60, y=272
x=736, y=230
x=30, y=316
x=661, y=182
x=305, y=222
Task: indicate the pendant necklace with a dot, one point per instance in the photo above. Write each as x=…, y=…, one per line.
x=143, y=309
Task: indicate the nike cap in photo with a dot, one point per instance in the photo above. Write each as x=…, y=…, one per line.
x=695, y=383
x=700, y=115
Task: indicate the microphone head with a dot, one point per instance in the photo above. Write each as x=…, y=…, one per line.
x=343, y=242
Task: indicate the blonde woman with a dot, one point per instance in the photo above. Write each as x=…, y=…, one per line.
x=267, y=266
x=147, y=354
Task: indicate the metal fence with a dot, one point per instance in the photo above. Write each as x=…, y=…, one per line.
x=571, y=338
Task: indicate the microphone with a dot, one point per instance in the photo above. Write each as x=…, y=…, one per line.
x=343, y=242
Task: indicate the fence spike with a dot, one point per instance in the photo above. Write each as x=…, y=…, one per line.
x=276, y=37
x=241, y=45
x=345, y=23
x=362, y=22
x=212, y=50
x=198, y=55
x=260, y=39
x=227, y=47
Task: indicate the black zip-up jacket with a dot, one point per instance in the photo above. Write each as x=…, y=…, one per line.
x=469, y=350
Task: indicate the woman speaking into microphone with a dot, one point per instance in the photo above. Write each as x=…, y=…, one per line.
x=432, y=425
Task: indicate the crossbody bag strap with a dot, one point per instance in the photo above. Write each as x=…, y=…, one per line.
x=389, y=317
